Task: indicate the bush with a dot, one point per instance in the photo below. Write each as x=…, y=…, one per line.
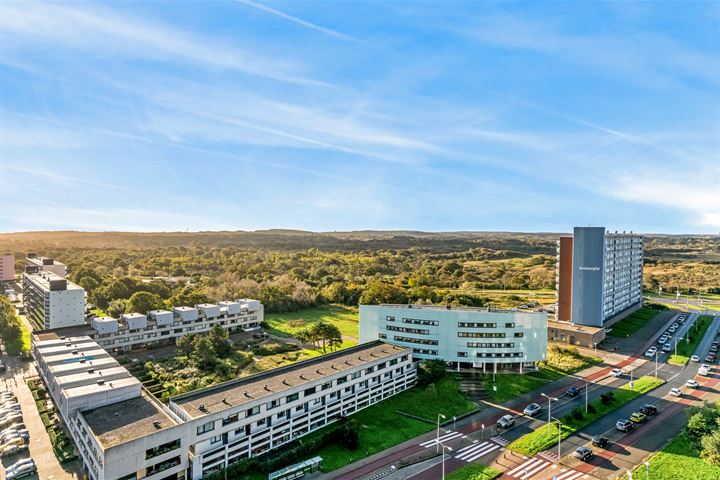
x=430, y=371
x=591, y=409
x=577, y=414
x=607, y=398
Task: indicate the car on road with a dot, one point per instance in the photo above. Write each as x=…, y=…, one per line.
x=624, y=425
x=638, y=417
x=651, y=351
x=694, y=358
x=616, y=372
x=704, y=370
x=676, y=391
x=667, y=347
x=13, y=449
x=692, y=383
x=572, y=392
x=600, y=441
x=648, y=409
x=506, y=421
x=23, y=470
x=532, y=410
x=583, y=453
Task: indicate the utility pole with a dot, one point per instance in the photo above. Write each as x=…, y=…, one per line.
x=549, y=408
x=437, y=435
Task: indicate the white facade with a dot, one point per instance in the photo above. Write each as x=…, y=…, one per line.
x=46, y=264
x=623, y=273
x=52, y=301
x=463, y=336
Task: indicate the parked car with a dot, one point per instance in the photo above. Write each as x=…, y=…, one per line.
x=11, y=420
x=694, y=358
x=676, y=392
x=624, y=425
x=506, y=421
x=22, y=471
x=704, y=370
x=648, y=409
x=651, y=351
x=14, y=449
x=616, y=372
x=532, y=410
x=692, y=383
x=583, y=453
x=572, y=392
x=667, y=347
x=638, y=417
x=3, y=367
x=710, y=358
x=13, y=432
x=662, y=339
x=600, y=441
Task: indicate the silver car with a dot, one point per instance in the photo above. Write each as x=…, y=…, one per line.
x=532, y=409
x=22, y=471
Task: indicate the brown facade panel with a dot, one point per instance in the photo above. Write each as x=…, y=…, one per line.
x=564, y=287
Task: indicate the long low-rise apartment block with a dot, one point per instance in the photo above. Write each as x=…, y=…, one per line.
x=123, y=433
x=469, y=337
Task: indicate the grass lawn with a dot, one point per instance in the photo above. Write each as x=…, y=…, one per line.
x=633, y=322
x=287, y=324
x=561, y=362
x=473, y=471
x=20, y=344
x=382, y=427
x=679, y=461
x=540, y=439
x=686, y=349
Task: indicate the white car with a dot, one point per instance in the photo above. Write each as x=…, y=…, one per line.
x=704, y=371
x=506, y=421
x=532, y=409
x=663, y=339
x=651, y=351
x=22, y=471
x=694, y=358
x=692, y=383
x=667, y=347
x=616, y=372
x=676, y=391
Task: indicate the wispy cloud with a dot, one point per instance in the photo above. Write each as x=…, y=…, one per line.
x=57, y=178
x=296, y=20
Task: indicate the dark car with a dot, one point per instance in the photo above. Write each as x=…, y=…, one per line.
x=648, y=409
x=573, y=392
x=601, y=441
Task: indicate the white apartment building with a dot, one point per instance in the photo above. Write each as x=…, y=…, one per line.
x=124, y=433
x=52, y=301
x=468, y=337
x=45, y=263
x=137, y=330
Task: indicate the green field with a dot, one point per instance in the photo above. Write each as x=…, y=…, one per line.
x=21, y=344
x=381, y=426
x=288, y=324
x=686, y=349
x=679, y=460
x=544, y=438
x=632, y=323
x=560, y=362
x=473, y=471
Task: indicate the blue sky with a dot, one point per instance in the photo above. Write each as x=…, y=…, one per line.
x=340, y=115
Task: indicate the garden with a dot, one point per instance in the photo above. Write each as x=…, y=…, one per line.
x=61, y=444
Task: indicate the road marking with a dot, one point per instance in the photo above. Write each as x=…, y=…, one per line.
x=528, y=468
x=443, y=438
x=473, y=452
x=570, y=475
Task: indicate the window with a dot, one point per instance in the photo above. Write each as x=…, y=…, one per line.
x=476, y=325
x=230, y=419
x=422, y=341
x=519, y=334
x=355, y=375
x=390, y=318
x=480, y=335
x=310, y=391
x=509, y=325
x=404, y=357
x=327, y=385
x=206, y=427
x=292, y=398
x=382, y=335
x=368, y=371
x=272, y=404
x=216, y=439
x=415, y=321
x=341, y=380
x=253, y=411
x=393, y=361
x=462, y=354
x=416, y=331
x=424, y=351
x=381, y=366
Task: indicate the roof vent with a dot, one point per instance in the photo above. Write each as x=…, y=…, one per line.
x=318, y=371
x=68, y=344
x=285, y=382
x=101, y=382
x=82, y=360
x=266, y=388
x=91, y=370
x=247, y=394
x=202, y=408
x=74, y=352
x=156, y=424
x=116, y=414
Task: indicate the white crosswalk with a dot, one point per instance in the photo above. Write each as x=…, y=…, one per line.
x=443, y=438
x=533, y=466
x=476, y=450
x=570, y=475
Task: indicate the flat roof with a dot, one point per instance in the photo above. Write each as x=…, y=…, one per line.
x=245, y=390
x=72, y=358
x=62, y=333
x=128, y=420
x=452, y=308
x=569, y=326
x=42, y=279
x=70, y=368
x=109, y=374
x=90, y=389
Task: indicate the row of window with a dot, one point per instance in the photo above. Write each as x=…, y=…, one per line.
x=490, y=345
x=416, y=331
x=423, y=341
x=480, y=335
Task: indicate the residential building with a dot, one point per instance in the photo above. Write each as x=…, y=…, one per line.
x=7, y=267
x=467, y=337
x=599, y=276
x=45, y=263
x=52, y=301
x=157, y=327
x=123, y=432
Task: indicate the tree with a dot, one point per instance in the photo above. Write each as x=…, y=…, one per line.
x=10, y=326
x=188, y=295
x=143, y=302
x=185, y=343
x=430, y=371
x=328, y=335
x=378, y=292
x=219, y=338
x=116, y=307
x=203, y=353
x=711, y=447
x=88, y=283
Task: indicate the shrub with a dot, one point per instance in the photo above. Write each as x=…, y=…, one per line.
x=430, y=371
x=591, y=409
x=577, y=414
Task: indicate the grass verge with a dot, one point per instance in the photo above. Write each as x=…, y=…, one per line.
x=695, y=334
x=62, y=446
x=540, y=439
x=633, y=322
x=679, y=460
x=382, y=427
x=473, y=471
x=288, y=324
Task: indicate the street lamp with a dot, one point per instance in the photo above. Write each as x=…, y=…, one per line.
x=587, y=387
x=549, y=407
x=443, y=458
x=647, y=470
x=437, y=436
x=559, y=438
x=656, y=362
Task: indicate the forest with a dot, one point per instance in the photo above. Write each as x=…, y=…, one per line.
x=291, y=270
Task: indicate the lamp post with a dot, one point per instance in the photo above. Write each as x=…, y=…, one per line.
x=559, y=438
x=587, y=387
x=437, y=435
x=443, y=458
x=656, y=362
x=550, y=399
x=647, y=470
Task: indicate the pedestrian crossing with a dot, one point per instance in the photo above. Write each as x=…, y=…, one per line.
x=500, y=439
x=476, y=450
x=533, y=466
x=443, y=438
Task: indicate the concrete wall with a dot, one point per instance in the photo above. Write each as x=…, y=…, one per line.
x=588, y=278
